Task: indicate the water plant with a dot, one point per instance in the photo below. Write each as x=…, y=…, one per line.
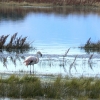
x=17, y=44
x=91, y=46
x=3, y=40
x=71, y=65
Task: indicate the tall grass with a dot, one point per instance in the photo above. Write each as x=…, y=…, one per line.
x=61, y=88
x=3, y=40
x=71, y=65
x=15, y=43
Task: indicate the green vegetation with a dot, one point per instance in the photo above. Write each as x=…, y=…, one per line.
x=91, y=46
x=30, y=86
x=15, y=43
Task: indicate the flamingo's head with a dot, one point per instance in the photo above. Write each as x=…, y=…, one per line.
x=39, y=53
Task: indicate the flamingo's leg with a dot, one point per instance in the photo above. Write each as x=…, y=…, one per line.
x=33, y=68
x=30, y=69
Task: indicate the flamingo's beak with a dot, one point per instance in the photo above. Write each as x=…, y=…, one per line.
x=41, y=55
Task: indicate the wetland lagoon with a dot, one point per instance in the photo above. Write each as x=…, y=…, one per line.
x=58, y=32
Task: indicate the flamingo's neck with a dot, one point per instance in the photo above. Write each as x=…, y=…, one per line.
x=38, y=55
x=37, y=59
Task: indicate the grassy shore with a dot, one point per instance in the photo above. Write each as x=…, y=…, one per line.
x=30, y=86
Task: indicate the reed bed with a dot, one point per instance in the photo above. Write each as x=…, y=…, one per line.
x=15, y=43
x=91, y=46
x=30, y=86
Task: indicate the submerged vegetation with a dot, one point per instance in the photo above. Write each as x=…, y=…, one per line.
x=15, y=43
x=60, y=88
x=91, y=46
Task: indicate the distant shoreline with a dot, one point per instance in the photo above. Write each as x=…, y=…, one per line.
x=11, y=3
x=16, y=4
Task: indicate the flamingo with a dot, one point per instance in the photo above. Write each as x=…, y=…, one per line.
x=31, y=60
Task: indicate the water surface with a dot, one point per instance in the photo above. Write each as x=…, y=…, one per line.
x=53, y=31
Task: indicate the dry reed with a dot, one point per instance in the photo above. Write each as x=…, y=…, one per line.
x=91, y=46
x=15, y=43
x=72, y=64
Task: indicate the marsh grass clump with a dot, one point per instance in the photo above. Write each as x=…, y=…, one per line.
x=30, y=86
x=3, y=40
x=15, y=43
x=26, y=86
x=26, y=79
x=91, y=46
x=54, y=90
